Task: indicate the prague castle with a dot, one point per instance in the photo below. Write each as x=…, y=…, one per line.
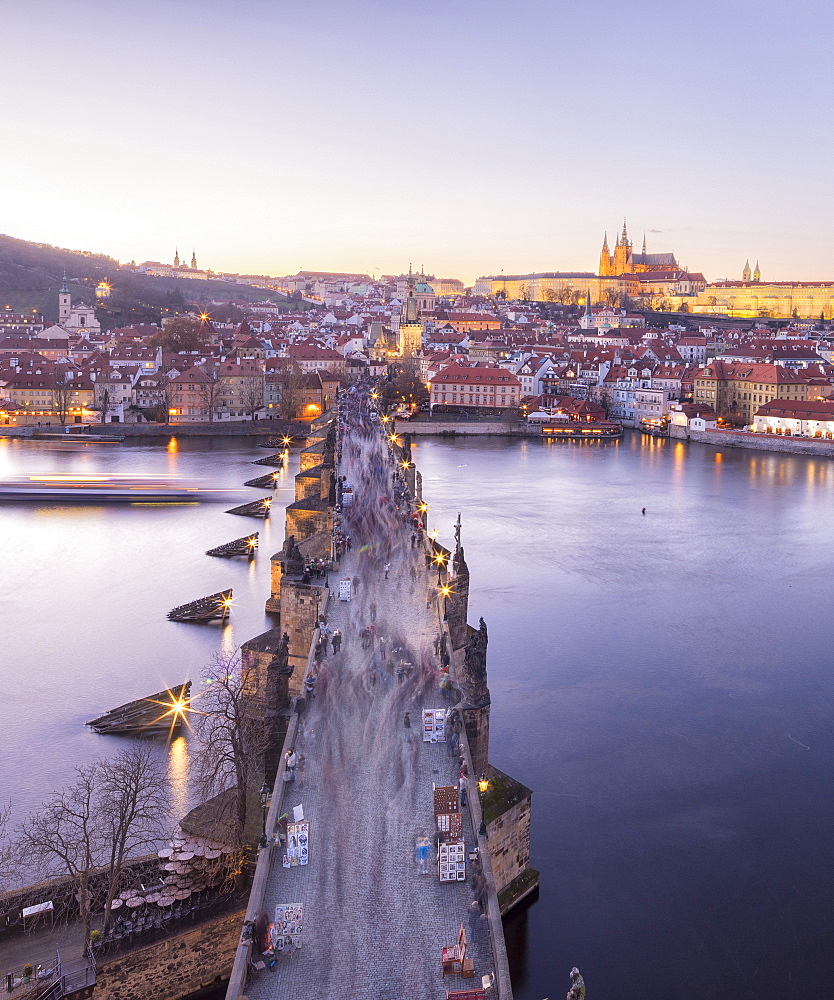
x=625, y=261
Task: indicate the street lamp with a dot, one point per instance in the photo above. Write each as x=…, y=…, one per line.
x=439, y=559
x=483, y=788
x=264, y=794
x=445, y=590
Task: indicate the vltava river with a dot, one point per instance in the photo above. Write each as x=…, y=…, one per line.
x=662, y=682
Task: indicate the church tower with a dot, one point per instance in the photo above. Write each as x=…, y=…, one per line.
x=64, y=303
x=622, y=253
x=757, y=274
x=194, y=260
x=411, y=329
x=177, y=257
x=605, y=258
x=745, y=274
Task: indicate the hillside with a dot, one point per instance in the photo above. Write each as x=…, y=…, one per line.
x=31, y=274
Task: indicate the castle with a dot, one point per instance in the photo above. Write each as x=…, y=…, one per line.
x=625, y=261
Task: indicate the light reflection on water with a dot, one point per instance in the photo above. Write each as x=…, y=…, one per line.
x=178, y=776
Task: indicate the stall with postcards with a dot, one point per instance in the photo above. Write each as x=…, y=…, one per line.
x=434, y=725
x=286, y=929
x=451, y=848
x=298, y=844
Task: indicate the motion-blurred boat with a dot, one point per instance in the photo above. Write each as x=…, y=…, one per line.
x=101, y=489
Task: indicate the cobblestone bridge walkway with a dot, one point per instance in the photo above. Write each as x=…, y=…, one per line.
x=374, y=925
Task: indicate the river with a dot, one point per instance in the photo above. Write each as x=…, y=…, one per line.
x=662, y=682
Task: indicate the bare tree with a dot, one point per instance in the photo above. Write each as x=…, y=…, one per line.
x=7, y=852
x=131, y=802
x=112, y=812
x=61, y=838
x=62, y=400
x=252, y=394
x=232, y=740
x=290, y=382
x=210, y=389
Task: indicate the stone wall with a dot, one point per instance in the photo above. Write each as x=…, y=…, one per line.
x=507, y=812
x=301, y=604
x=307, y=517
x=174, y=967
x=764, y=442
x=464, y=428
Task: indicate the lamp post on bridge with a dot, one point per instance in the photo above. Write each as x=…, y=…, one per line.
x=483, y=787
x=264, y=794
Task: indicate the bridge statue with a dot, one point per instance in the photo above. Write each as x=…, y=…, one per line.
x=474, y=666
x=293, y=560
x=577, y=988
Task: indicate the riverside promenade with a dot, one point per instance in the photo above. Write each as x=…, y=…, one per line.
x=374, y=923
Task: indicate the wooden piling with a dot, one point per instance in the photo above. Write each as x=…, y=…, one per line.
x=269, y=481
x=205, y=609
x=258, y=508
x=246, y=546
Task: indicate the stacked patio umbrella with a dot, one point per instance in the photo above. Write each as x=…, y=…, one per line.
x=189, y=869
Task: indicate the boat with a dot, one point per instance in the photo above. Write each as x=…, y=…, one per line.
x=73, y=488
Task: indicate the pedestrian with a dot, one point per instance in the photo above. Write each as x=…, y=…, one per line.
x=407, y=720
x=436, y=645
x=463, y=785
x=356, y=585
x=373, y=612
x=336, y=640
x=453, y=744
x=643, y=512
x=387, y=570
x=310, y=686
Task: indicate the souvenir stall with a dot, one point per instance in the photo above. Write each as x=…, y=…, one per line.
x=434, y=725
x=451, y=848
x=298, y=844
x=285, y=932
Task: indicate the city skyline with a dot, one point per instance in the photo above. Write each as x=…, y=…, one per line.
x=469, y=140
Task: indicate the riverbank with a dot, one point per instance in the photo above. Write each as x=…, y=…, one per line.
x=764, y=442
x=255, y=428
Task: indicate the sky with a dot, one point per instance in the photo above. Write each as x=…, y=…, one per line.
x=467, y=138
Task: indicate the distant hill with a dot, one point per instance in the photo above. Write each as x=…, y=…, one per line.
x=31, y=274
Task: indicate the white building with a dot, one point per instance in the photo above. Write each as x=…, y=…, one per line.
x=75, y=319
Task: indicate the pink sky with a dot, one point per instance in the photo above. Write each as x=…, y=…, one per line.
x=460, y=136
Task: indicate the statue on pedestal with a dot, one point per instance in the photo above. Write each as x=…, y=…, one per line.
x=577, y=988
x=474, y=666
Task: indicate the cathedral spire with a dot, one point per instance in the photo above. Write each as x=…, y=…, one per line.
x=745, y=274
x=605, y=241
x=588, y=312
x=757, y=274
x=625, y=234
x=644, y=245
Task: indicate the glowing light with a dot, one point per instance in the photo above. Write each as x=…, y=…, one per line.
x=483, y=786
x=405, y=464
x=422, y=507
x=204, y=317
x=172, y=445
x=286, y=441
